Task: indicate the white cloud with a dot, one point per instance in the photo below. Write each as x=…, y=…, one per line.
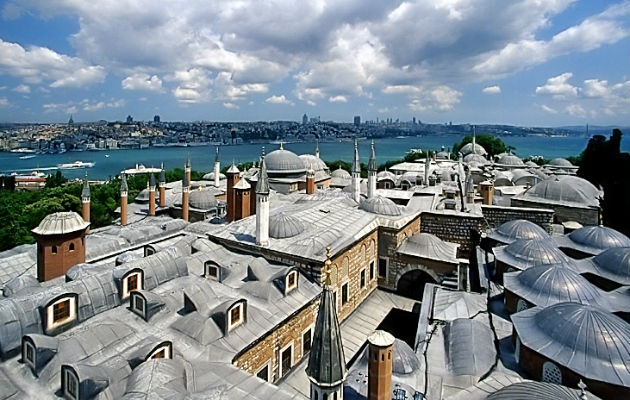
x=25, y=89
x=558, y=87
x=278, y=100
x=4, y=102
x=142, y=82
x=231, y=106
x=576, y=110
x=496, y=89
x=549, y=109
x=439, y=98
x=338, y=99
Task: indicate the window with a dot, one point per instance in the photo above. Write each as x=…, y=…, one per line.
x=371, y=270
x=388, y=185
x=263, y=373
x=235, y=316
x=138, y=305
x=211, y=270
x=61, y=311
x=362, y=278
x=148, y=251
x=382, y=267
x=286, y=359
x=521, y=305
x=551, y=373
x=291, y=281
x=160, y=354
x=54, y=249
x=28, y=353
x=162, y=350
x=71, y=384
x=71, y=247
x=307, y=338
x=344, y=294
x=132, y=281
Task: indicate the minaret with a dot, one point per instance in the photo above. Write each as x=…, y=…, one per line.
x=123, y=200
x=427, y=164
x=372, y=174
x=262, y=204
x=326, y=364
x=85, y=201
x=162, y=187
x=380, y=365
x=217, y=169
x=152, y=195
x=187, y=169
x=356, y=175
x=317, y=148
x=185, y=187
x=232, y=178
x=474, y=142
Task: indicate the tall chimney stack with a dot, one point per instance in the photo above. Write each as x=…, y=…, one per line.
x=232, y=175
x=356, y=175
x=123, y=200
x=162, y=187
x=262, y=204
x=372, y=174
x=152, y=195
x=217, y=168
x=380, y=365
x=310, y=181
x=85, y=201
x=187, y=169
x=185, y=186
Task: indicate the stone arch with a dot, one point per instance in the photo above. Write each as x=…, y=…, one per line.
x=410, y=281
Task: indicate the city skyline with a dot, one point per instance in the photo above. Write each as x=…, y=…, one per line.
x=524, y=63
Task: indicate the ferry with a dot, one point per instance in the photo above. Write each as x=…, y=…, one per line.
x=76, y=164
x=27, y=157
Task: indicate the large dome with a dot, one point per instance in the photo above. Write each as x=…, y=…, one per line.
x=312, y=162
x=282, y=225
x=202, y=200
x=585, y=339
x=561, y=190
x=525, y=253
x=516, y=229
x=594, y=239
x=510, y=160
x=468, y=149
x=282, y=161
x=380, y=205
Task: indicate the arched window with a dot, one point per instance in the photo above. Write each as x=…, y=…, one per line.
x=551, y=373
x=28, y=353
x=163, y=350
x=236, y=315
x=71, y=247
x=133, y=280
x=61, y=310
x=69, y=383
x=521, y=305
x=54, y=249
x=291, y=281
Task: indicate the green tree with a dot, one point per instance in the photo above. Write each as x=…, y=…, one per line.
x=56, y=180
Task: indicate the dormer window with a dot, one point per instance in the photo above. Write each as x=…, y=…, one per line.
x=236, y=315
x=69, y=383
x=148, y=251
x=163, y=350
x=291, y=281
x=61, y=311
x=211, y=270
x=138, y=305
x=132, y=281
x=28, y=353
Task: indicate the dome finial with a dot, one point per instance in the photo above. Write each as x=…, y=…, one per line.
x=281, y=146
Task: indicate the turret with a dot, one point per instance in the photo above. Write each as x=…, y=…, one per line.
x=162, y=187
x=152, y=195
x=326, y=364
x=356, y=175
x=262, y=204
x=85, y=201
x=232, y=175
x=241, y=199
x=185, y=187
x=380, y=365
x=123, y=200
x=217, y=168
x=372, y=174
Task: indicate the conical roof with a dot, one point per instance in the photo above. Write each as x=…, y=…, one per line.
x=356, y=165
x=216, y=157
x=123, y=184
x=86, y=188
x=152, y=180
x=516, y=229
x=185, y=180
x=162, y=176
x=372, y=162
x=262, y=186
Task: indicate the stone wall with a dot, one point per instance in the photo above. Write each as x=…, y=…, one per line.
x=267, y=349
x=497, y=215
x=452, y=227
x=583, y=215
x=388, y=241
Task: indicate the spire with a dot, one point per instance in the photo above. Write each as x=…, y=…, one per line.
x=326, y=364
x=162, y=174
x=317, y=148
x=474, y=141
x=188, y=161
x=356, y=165
x=185, y=181
x=281, y=146
x=372, y=162
x=85, y=193
x=216, y=157
x=123, y=184
x=262, y=186
x=152, y=181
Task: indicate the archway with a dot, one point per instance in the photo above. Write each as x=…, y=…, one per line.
x=411, y=283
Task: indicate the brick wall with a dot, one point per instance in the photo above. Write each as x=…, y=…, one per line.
x=497, y=215
x=453, y=228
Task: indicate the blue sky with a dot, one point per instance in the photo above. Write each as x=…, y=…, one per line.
x=522, y=62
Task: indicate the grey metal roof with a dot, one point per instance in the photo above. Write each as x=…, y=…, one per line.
x=545, y=285
x=468, y=149
x=516, y=229
x=587, y=340
x=449, y=305
x=404, y=359
x=262, y=185
x=533, y=390
x=525, y=253
x=242, y=184
x=326, y=363
x=18, y=261
x=380, y=205
x=284, y=162
x=383, y=175
x=60, y=223
x=210, y=176
x=20, y=284
x=612, y=264
x=560, y=162
x=202, y=199
x=593, y=239
x=470, y=347
x=283, y=225
x=475, y=157
x=341, y=173
x=313, y=162
x=429, y=246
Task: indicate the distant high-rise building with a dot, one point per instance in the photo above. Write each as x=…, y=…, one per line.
x=156, y=119
x=357, y=120
x=414, y=120
x=304, y=119
x=129, y=119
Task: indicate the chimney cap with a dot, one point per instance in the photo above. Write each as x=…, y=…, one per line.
x=60, y=223
x=381, y=338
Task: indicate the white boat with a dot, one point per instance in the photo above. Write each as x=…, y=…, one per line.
x=27, y=157
x=106, y=155
x=22, y=150
x=76, y=164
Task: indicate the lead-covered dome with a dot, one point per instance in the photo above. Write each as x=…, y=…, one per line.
x=475, y=158
x=283, y=225
x=589, y=341
x=532, y=390
x=385, y=175
x=210, y=176
x=560, y=162
x=282, y=162
x=561, y=190
x=468, y=149
x=429, y=246
x=612, y=264
x=380, y=205
x=202, y=200
x=525, y=253
x=313, y=162
x=516, y=229
x=593, y=239
x=510, y=160
x=60, y=223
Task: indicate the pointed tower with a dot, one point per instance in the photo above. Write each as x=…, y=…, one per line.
x=317, y=148
x=162, y=187
x=152, y=195
x=326, y=364
x=85, y=201
x=427, y=165
x=123, y=200
x=262, y=204
x=372, y=174
x=474, y=141
x=187, y=168
x=232, y=179
x=185, y=187
x=217, y=168
x=356, y=175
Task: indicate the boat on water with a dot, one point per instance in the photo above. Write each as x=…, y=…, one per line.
x=76, y=164
x=414, y=151
x=106, y=155
x=22, y=150
x=27, y=157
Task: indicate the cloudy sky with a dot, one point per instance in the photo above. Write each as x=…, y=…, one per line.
x=523, y=62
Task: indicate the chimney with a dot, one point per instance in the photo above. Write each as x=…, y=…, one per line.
x=487, y=190
x=380, y=365
x=85, y=201
x=185, y=186
x=162, y=187
x=232, y=175
x=372, y=174
x=123, y=200
x=356, y=175
x=310, y=181
x=241, y=199
x=262, y=204
x=217, y=169
x=152, y=195
x=187, y=170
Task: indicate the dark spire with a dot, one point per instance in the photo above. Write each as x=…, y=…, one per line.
x=372, y=162
x=152, y=180
x=188, y=161
x=262, y=186
x=356, y=165
x=185, y=180
x=85, y=193
x=326, y=364
x=123, y=184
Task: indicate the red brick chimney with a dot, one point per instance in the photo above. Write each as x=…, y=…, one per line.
x=185, y=186
x=310, y=181
x=152, y=196
x=162, y=187
x=232, y=175
x=123, y=200
x=85, y=201
x=241, y=199
x=380, y=365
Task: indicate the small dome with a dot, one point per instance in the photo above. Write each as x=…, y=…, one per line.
x=442, y=155
x=511, y=160
x=312, y=162
x=383, y=175
x=143, y=196
x=210, y=176
x=341, y=173
x=525, y=253
x=284, y=162
x=202, y=200
x=589, y=341
x=362, y=187
x=60, y=223
x=404, y=360
x=531, y=164
x=613, y=264
x=599, y=237
x=380, y=205
x=472, y=157
x=516, y=229
x=503, y=178
x=282, y=225
x=468, y=149
x=560, y=162
x=532, y=390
